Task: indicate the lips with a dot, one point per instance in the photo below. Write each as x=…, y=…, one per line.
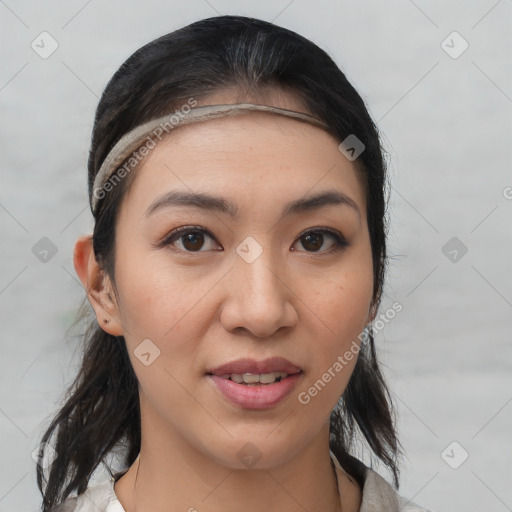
x=252, y=384
x=270, y=365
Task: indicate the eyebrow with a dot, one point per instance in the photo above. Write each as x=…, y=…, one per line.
x=214, y=203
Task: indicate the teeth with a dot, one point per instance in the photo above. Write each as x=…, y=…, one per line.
x=266, y=378
x=252, y=379
x=262, y=378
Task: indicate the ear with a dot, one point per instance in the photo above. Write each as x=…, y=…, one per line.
x=98, y=286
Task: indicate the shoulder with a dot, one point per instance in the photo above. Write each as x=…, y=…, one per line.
x=377, y=494
x=408, y=506
x=97, y=498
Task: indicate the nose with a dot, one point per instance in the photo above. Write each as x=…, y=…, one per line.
x=259, y=298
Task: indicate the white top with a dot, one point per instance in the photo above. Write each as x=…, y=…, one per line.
x=377, y=496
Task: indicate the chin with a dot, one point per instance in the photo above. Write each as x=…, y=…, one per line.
x=254, y=453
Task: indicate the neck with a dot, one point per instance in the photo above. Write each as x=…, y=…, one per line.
x=172, y=475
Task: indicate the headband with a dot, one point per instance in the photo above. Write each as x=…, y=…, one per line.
x=137, y=143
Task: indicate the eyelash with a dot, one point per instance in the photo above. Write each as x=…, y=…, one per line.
x=340, y=242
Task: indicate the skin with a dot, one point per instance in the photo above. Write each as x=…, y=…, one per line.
x=207, y=307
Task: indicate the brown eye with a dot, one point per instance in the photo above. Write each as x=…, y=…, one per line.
x=313, y=240
x=190, y=238
x=193, y=240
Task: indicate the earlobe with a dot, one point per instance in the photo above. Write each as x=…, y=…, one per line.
x=97, y=285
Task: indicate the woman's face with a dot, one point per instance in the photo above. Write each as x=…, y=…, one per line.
x=271, y=271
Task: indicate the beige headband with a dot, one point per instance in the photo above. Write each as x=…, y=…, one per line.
x=136, y=144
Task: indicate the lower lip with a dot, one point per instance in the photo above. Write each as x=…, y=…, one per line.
x=256, y=397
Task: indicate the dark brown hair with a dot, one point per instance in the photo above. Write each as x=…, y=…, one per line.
x=100, y=414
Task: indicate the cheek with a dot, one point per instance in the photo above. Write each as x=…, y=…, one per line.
x=173, y=309
x=164, y=307
x=342, y=300
x=341, y=307
x=159, y=301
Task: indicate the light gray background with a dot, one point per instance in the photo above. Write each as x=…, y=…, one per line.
x=446, y=123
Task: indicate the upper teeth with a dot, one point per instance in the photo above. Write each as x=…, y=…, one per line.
x=254, y=378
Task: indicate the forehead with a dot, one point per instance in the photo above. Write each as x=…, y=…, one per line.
x=248, y=156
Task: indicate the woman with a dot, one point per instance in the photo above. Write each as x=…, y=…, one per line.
x=237, y=261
